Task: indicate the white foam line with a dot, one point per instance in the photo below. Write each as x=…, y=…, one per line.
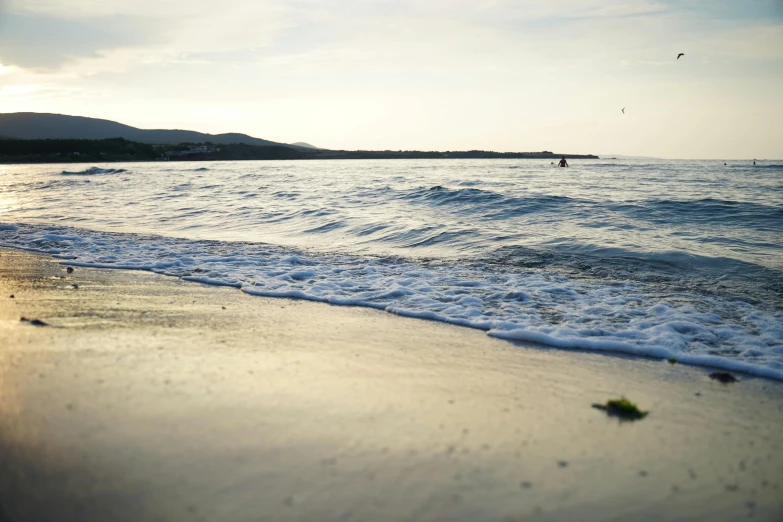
x=528, y=306
x=647, y=351
x=210, y=281
x=521, y=334
x=53, y=253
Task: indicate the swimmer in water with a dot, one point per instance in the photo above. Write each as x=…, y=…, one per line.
x=563, y=163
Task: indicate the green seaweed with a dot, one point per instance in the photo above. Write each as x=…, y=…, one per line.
x=672, y=360
x=623, y=409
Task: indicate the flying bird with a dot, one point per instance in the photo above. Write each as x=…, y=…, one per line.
x=681, y=54
x=623, y=109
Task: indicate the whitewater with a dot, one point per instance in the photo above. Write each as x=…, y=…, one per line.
x=657, y=258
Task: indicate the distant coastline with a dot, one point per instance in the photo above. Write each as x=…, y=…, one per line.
x=15, y=151
x=29, y=137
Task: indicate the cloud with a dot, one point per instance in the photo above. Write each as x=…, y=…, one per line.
x=760, y=43
x=47, y=42
x=46, y=34
x=764, y=11
x=378, y=34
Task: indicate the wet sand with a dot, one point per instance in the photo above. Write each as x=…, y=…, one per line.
x=149, y=398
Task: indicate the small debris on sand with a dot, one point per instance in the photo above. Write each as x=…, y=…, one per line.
x=724, y=377
x=34, y=322
x=12, y=296
x=672, y=360
x=69, y=270
x=75, y=285
x=622, y=408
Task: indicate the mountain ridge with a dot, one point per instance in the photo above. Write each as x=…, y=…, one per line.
x=40, y=125
x=26, y=127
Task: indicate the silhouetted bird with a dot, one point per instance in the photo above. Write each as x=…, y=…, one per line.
x=681, y=54
x=623, y=109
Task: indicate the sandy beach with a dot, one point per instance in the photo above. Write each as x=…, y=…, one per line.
x=149, y=398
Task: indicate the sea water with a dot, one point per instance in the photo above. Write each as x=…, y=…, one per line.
x=660, y=258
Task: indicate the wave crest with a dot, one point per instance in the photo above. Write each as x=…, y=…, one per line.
x=92, y=171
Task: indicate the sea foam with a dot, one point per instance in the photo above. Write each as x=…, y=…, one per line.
x=511, y=303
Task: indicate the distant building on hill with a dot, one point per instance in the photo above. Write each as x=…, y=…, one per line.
x=192, y=150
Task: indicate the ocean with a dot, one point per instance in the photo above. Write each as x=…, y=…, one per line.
x=657, y=258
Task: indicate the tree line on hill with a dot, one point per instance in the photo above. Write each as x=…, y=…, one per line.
x=120, y=149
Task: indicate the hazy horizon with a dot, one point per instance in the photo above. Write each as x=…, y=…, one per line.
x=448, y=75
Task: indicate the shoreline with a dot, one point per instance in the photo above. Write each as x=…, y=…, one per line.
x=520, y=335
x=151, y=397
x=348, y=156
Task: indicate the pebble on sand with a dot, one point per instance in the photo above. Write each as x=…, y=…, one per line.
x=724, y=377
x=34, y=322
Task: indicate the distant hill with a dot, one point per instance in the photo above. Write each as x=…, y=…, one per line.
x=120, y=149
x=20, y=126
x=34, y=125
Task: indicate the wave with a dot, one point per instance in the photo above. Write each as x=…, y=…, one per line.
x=704, y=211
x=56, y=184
x=497, y=206
x=92, y=171
x=442, y=195
x=715, y=206
x=491, y=200
x=705, y=208
x=198, y=169
x=524, y=304
x=667, y=271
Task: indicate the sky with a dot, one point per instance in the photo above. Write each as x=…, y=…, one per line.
x=524, y=75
